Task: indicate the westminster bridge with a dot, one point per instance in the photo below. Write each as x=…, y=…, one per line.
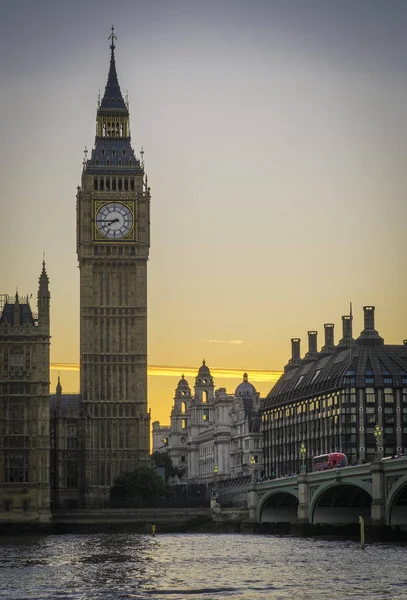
x=376, y=491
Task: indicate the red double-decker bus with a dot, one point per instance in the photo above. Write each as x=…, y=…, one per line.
x=333, y=460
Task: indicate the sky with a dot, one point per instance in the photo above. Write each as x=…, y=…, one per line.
x=274, y=136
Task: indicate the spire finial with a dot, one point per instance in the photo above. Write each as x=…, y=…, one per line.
x=204, y=362
x=112, y=37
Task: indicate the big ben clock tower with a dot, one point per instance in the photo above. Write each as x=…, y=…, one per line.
x=113, y=238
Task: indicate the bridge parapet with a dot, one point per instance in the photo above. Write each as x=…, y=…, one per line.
x=380, y=481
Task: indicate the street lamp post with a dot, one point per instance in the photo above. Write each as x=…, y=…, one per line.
x=252, y=462
x=303, y=452
x=216, y=473
x=378, y=432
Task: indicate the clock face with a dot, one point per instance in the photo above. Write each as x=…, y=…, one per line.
x=114, y=220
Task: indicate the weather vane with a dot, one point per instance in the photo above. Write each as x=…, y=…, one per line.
x=112, y=37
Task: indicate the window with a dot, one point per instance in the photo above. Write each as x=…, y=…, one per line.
x=299, y=381
x=388, y=396
x=350, y=377
x=369, y=376
x=16, y=358
x=16, y=466
x=370, y=396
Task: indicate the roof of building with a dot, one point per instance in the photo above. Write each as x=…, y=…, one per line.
x=69, y=404
x=366, y=362
x=245, y=388
x=183, y=383
x=25, y=313
x=113, y=153
x=112, y=98
x=204, y=369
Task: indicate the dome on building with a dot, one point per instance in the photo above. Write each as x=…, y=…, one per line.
x=203, y=369
x=245, y=388
x=183, y=383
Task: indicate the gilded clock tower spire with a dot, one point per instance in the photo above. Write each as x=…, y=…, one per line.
x=113, y=240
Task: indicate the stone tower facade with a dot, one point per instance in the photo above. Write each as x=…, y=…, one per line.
x=24, y=408
x=113, y=239
x=179, y=426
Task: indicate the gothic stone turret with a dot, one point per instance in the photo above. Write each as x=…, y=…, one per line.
x=24, y=408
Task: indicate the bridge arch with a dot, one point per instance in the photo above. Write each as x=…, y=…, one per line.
x=396, y=505
x=341, y=503
x=279, y=506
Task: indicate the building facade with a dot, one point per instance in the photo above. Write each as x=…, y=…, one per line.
x=24, y=408
x=333, y=399
x=213, y=434
x=113, y=239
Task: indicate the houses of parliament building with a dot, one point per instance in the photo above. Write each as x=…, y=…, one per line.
x=66, y=450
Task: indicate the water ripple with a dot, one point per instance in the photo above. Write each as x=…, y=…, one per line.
x=190, y=567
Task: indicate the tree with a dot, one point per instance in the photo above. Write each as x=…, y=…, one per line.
x=139, y=485
x=163, y=459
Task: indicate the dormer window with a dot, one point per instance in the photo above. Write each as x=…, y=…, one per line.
x=120, y=162
x=107, y=162
x=369, y=379
x=349, y=377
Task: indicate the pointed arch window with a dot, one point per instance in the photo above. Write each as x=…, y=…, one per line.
x=126, y=184
x=124, y=152
x=120, y=162
x=102, y=184
x=132, y=185
x=114, y=184
x=114, y=152
x=95, y=184
x=107, y=162
x=103, y=151
x=120, y=184
x=107, y=183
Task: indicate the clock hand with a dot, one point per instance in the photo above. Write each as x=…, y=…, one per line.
x=109, y=221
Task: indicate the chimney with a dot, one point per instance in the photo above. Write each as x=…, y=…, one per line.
x=369, y=318
x=369, y=335
x=329, y=346
x=329, y=334
x=312, y=341
x=312, y=353
x=295, y=348
x=347, y=339
x=295, y=359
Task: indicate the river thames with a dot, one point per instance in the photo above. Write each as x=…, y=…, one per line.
x=195, y=566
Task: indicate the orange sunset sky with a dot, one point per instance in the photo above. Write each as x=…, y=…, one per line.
x=275, y=137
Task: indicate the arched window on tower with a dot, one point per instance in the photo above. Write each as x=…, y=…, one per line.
x=108, y=129
x=120, y=184
x=107, y=183
x=121, y=129
x=104, y=129
x=132, y=185
x=114, y=184
x=95, y=184
x=204, y=396
x=126, y=184
x=102, y=184
x=183, y=407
